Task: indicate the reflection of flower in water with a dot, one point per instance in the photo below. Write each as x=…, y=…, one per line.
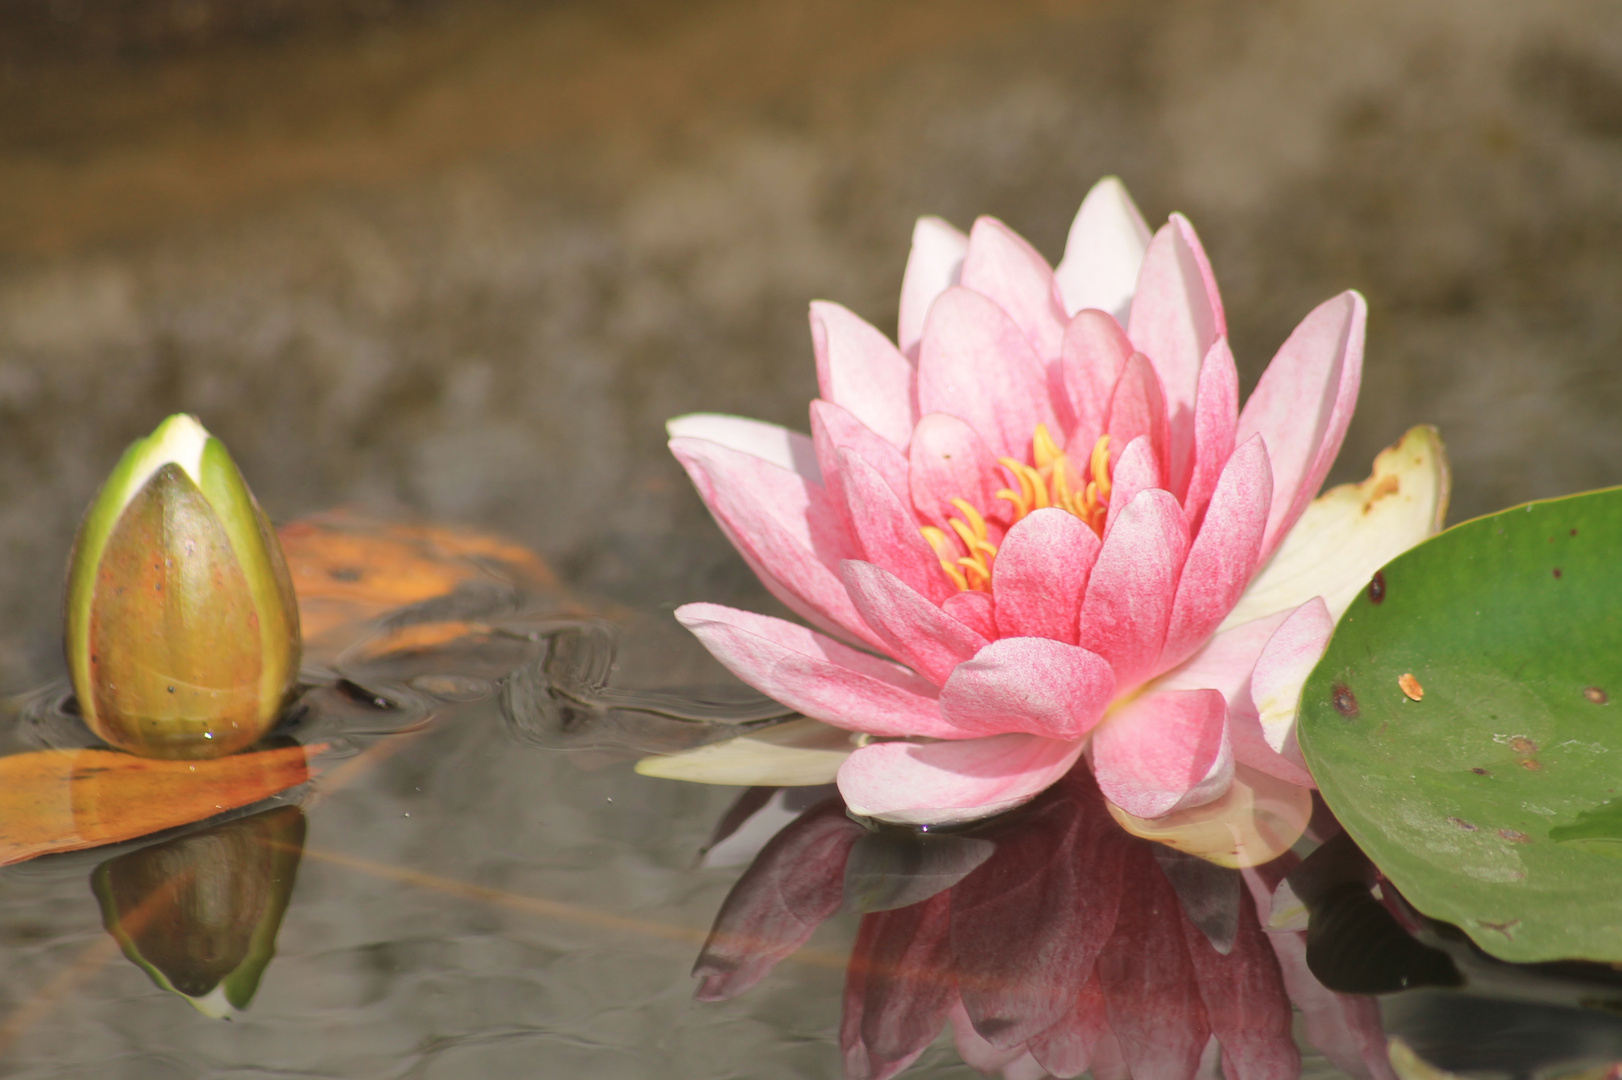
x=1066, y=950
x=1046, y=503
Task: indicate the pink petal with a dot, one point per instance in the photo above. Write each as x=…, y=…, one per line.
x=1137, y=407
x=1130, y=593
x=976, y=364
x=816, y=675
x=1150, y=992
x=859, y=370
x=1040, y=575
x=1164, y=751
x=793, y=885
x=1225, y=661
x=1082, y=1040
x=1224, y=555
x=913, y=629
x=1109, y=1061
x=736, y=478
x=1034, y=685
x=1137, y=469
x=1250, y=747
x=1213, y=297
x=1345, y=1028
x=943, y=782
x=932, y=268
x=1216, y=417
x=1224, y=664
x=1003, y=267
x=783, y=525
x=1104, y=252
x=1282, y=669
x=1176, y=316
x=946, y=461
x=974, y=610
x=772, y=443
x=975, y=1051
x=1091, y=358
x=1245, y=1002
x=1056, y=876
x=1302, y=404
x=887, y=531
x=898, y=988
x=835, y=431
x=1025, y=1067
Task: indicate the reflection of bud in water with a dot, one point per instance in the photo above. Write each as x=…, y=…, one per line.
x=182, y=628
x=200, y=914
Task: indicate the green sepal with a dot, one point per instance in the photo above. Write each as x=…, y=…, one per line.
x=141, y=459
x=259, y=555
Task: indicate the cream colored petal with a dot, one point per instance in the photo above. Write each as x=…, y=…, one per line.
x=1410, y=1066
x=1258, y=820
x=1287, y=913
x=796, y=754
x=1352, y=530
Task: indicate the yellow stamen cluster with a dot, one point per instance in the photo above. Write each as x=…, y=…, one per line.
x=1051, y=481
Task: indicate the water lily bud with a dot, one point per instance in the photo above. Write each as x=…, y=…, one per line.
x=182, y=626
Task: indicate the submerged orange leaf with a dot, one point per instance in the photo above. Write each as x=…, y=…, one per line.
x=66, y=800
x=348, y=569
x=426, y=637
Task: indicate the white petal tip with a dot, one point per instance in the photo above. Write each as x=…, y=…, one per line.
x=1104, y=251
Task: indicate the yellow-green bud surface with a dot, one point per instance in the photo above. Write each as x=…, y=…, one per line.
x=182, y=629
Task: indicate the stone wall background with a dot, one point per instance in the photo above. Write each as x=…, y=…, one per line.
x=463, y=258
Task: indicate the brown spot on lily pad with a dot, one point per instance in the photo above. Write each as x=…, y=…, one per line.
x=1377, y=587
x=1596, y=695
x=1479, y=771
x=1410, y=686
x=1532, y=765
x=1514, y=836
x=1522, y=745
x=1344, y=700
x=1557, y=573
x=1460, y=823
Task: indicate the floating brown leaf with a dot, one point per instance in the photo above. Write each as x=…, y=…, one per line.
x=66, y=800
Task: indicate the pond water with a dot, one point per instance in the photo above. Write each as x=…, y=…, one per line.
x=458, y=261
x=473, y=884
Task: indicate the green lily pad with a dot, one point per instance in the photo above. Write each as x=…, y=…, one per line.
x=1494, y=800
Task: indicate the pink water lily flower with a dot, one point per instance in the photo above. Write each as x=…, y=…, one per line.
x=1018, y=530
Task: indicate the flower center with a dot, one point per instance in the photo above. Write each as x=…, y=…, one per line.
x=1051, y=481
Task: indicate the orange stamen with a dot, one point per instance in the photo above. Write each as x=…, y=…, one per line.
x=1050, y=481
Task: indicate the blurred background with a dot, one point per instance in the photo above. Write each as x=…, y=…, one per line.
x=461, y=258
